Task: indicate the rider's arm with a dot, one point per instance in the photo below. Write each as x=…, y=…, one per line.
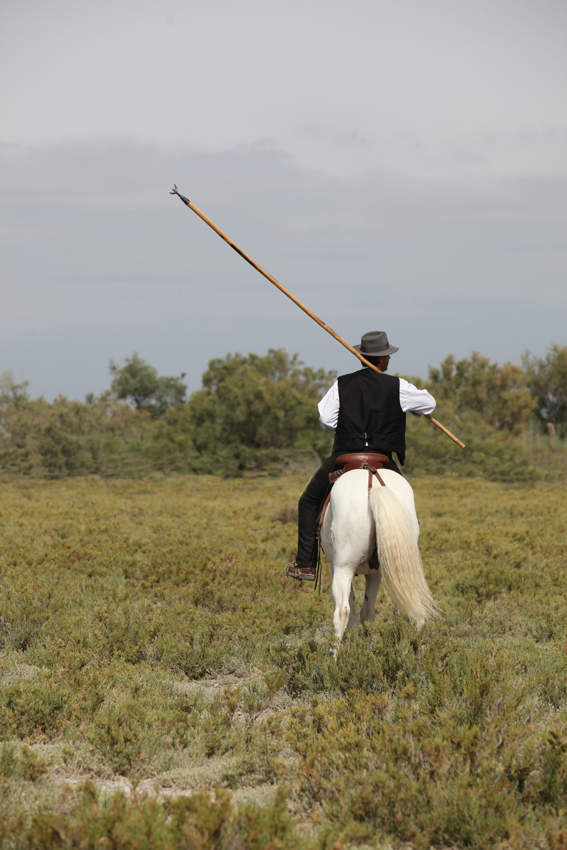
x=415, y=401
x=329, y=409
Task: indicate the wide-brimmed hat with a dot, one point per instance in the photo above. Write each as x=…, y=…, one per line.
x=375, y=344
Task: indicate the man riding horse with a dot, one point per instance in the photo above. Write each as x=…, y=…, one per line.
x=367, y=412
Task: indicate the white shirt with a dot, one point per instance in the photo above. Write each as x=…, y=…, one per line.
x=412, y=400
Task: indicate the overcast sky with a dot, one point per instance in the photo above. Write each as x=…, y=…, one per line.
x=398, y=166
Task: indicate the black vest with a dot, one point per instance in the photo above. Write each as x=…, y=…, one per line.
x=370, y=413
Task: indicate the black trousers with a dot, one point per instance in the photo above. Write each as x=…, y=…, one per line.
x=310, y=505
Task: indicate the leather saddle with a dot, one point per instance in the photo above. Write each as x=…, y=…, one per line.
x=360, y=460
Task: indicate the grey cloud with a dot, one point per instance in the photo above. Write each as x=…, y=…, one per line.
x=432, y=89
x=98, y=260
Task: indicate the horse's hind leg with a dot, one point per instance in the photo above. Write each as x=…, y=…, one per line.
x=343, y=596
x=367, y=612
x=353, y=616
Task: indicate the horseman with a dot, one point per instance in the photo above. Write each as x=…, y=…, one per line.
x=367, y=413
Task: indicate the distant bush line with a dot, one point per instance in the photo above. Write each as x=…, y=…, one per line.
x=258, y=415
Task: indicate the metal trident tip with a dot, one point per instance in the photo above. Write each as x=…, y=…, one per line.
x=179, y=195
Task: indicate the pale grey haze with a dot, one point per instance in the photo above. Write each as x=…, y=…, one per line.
x=398, y=166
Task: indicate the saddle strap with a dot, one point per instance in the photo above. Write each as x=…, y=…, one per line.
x=372, y=472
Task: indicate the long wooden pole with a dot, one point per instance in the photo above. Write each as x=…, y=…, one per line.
x=295, y=300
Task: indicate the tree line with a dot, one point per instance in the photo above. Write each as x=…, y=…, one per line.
x=258, y=414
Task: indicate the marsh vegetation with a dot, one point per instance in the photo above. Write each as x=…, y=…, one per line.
x=162, y=685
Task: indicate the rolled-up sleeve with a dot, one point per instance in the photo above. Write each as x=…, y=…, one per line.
x=329, y=409
x=412, y=400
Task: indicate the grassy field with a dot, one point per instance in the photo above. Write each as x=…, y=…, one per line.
x=163, y=686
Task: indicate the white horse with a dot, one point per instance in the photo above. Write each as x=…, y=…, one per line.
x=358, y=520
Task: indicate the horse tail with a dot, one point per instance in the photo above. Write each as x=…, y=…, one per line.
x=400, y=561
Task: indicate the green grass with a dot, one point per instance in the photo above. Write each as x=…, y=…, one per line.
x=162, y=685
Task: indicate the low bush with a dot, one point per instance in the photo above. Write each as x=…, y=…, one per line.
x=150, y=640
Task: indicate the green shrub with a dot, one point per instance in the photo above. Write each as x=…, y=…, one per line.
x=150, y=637
x=185, y=823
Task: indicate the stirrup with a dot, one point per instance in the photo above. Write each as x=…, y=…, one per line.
x=302, y=573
